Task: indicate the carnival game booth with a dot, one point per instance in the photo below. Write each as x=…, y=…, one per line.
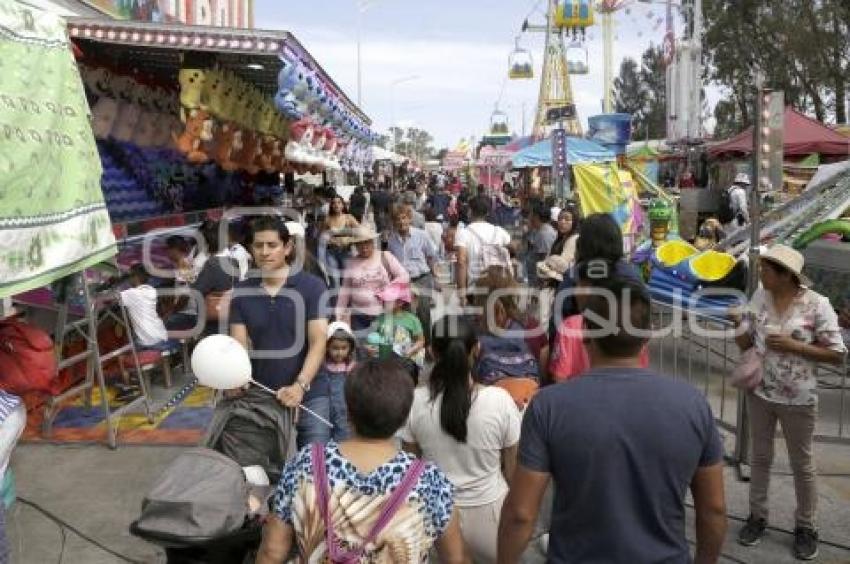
x=185, y=121
x=192, y=118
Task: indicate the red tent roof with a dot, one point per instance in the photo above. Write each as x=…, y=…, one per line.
x=803, y=136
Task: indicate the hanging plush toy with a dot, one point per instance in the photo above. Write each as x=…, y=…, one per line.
x=300, y=137
x=303, y=82
x=105, y=110
x=247, y=157
x=243, y=111
x=228, y=134
x=98, y=80
x=171, y=117
x=145, y=132
x=329, y=150
x=227, y=143
x=129, y=111
x=198, y=130
x=195, y=115
x=285, y=98
x=191, y=86
x=316, y=96
x=212, y=93
x=250, y=149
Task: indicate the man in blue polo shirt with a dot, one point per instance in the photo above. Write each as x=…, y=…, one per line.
x=280, y=317
x=283, y=315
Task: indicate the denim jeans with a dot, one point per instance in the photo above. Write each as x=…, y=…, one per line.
x=330, y=405
x=334, y=258
x=162, y=346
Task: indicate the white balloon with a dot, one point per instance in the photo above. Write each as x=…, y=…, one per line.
x=221, y=362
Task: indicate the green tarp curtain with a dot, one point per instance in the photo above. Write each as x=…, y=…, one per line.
x=53, y=220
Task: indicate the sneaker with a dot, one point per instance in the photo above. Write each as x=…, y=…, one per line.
x=805, y=543
x=752, y=532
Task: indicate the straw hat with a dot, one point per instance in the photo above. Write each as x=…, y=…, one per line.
x=788, y=258
x=553, y=267
x=362, y=234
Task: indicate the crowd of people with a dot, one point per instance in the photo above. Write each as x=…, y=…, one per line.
x=470, y=409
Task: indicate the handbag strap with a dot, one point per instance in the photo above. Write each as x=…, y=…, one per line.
x=388, y=509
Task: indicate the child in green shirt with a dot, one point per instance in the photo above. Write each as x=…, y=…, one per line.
x=399, y=327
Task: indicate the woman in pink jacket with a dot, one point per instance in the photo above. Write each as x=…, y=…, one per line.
x=365, y=276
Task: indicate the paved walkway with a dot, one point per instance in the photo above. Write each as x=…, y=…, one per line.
x=99, y=491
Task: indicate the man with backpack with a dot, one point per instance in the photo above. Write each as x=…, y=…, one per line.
x=480, y=246
x=734, y=205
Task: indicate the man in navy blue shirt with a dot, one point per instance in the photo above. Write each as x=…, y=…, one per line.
x=623, y=445
x=281, y=314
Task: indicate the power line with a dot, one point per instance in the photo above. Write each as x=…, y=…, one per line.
x=63, y=525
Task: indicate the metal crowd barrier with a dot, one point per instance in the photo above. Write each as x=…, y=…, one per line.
x=701, y=350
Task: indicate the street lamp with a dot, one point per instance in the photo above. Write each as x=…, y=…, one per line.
x=362, y=7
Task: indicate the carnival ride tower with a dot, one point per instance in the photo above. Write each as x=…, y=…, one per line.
x=556, y=92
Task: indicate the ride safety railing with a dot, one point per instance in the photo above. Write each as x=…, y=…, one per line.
x=700, y=349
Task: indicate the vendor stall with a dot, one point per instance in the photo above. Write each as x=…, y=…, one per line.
x=806, y=144
x=493, y=163
x=184, y=122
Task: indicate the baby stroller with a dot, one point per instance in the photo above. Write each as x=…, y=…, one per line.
x=204, y=508
x=199, y=511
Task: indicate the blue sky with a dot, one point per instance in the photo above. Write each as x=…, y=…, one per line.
x=458, y=51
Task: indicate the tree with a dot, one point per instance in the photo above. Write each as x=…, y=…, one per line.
x=642, y=92
x=413, y=143
x=629, y=95
x=802, y=47
x=382, y=141
x=728, y=121
x=653, y=75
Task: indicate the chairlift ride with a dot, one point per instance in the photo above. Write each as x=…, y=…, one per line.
x=499, y=123
x=574, y=14
x=578, y=59
x=520, y=63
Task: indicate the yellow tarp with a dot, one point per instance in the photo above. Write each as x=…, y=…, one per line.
x=604, y=188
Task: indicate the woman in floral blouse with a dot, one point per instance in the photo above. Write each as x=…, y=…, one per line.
x=794, y=329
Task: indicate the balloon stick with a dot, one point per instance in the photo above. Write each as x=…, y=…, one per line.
x=307, y=409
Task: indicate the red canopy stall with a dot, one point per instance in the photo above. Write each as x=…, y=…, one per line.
x=803, y=137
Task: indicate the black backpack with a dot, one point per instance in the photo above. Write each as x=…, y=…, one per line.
x=725, y=213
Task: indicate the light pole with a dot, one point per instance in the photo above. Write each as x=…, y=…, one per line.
x=393, y=84
x=362, y=7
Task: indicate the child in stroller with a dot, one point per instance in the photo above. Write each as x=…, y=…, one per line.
x=209, y=505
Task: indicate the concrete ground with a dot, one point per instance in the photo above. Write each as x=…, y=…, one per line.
x=99, y=492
